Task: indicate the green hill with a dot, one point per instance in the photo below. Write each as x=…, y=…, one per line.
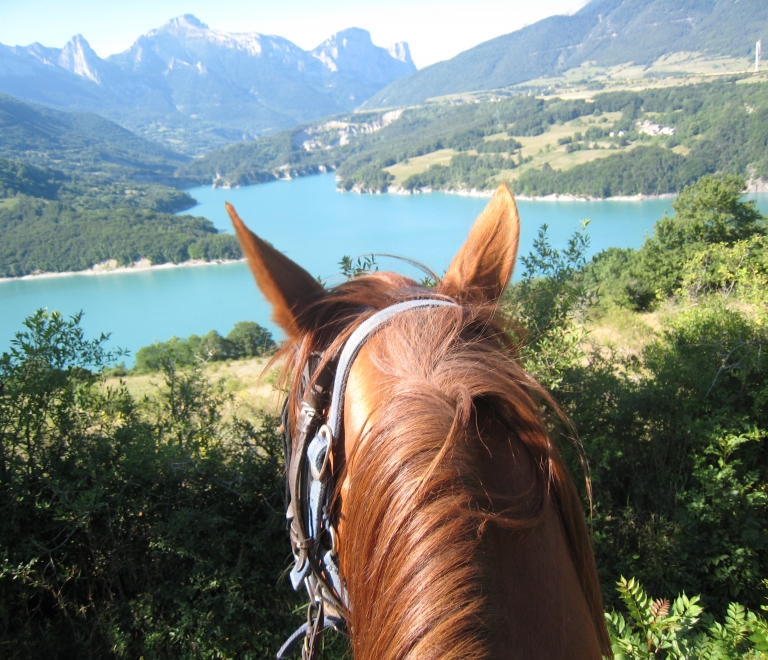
x=79, y=142
x=604, y=32
x=18, y=178
x=51, y=221
x=77, y=190
x=38, y=236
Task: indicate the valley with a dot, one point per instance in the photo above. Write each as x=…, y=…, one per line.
x=581, y=126
x=142, y=465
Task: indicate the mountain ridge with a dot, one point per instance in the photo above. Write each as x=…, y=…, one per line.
x=197, y=87
x=606, y=32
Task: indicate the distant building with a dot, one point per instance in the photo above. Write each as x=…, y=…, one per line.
x=654, y=129
x=758, y=49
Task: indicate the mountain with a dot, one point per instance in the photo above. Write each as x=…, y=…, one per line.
x=197, y=87
x=79, y=142
x=604, y=32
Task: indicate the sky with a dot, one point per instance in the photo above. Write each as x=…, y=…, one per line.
x=434, y=29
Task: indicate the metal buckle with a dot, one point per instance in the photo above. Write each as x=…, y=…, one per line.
x=319, y=452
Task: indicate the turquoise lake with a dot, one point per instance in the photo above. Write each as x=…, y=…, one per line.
x=314, y=225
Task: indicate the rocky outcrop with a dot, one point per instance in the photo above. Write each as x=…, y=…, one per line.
x=757, y=186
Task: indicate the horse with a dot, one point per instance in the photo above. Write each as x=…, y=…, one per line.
x=431, y=516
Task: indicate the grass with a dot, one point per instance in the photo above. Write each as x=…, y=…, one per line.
x=8, y=202
x=401, y=171
x=253, y=391
x=622, y=330
x=545, y=149
x=626, y=332
x=698, y=63
x=532, y=145
x=541, y=148
x=684, y=68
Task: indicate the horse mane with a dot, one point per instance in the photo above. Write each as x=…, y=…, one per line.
x=421, y=499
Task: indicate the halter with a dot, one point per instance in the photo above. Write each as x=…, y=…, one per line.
x=310, y=482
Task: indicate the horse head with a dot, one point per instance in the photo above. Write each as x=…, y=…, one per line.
x=431, y=516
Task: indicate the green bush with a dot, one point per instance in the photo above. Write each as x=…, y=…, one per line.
x=681, y=629
x=549, y=304
x=133, y=529
x=709, y=221
x=675, y=432
x=247, y=339
x=708, y=212
x=677, y=444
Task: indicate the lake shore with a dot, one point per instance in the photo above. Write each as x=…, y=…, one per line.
x=558, y=197
x=111, y=267
x=585, y=198
x=554, y=197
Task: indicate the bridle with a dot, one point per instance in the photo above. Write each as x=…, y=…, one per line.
x=310, y=482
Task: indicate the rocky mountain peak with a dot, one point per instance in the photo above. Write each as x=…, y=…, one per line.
x=78, y=57
x=212, y=83
x=352, y=51
x=185, y=22
x=401, y=51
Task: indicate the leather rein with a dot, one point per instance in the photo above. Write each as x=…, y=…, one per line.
x=310, y=482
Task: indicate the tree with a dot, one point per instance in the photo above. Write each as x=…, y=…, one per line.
x=248, y=339
x=710, y=220
x=709, y=211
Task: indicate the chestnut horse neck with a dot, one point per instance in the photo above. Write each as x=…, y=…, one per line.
x=460, y=532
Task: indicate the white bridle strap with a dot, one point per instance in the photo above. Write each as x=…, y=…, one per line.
x=356, y=341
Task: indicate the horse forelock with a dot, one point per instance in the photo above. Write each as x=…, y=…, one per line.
x=417, y=504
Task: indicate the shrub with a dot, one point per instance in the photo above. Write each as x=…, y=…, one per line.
x=674, y=433
x=549, y=302
x=711, y=232
x=133, y=529
x=681, y=629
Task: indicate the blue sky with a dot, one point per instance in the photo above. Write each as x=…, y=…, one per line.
x=435, y=30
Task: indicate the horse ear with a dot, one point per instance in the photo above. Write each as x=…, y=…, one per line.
x=287, y=286
x=483, y=266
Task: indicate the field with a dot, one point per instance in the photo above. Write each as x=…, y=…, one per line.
x=541, y=149
x=401, y=171
x=584, y=82
x=253, y=390
x=668, y=71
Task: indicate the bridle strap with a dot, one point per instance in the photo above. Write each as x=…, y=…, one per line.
x=357, y=340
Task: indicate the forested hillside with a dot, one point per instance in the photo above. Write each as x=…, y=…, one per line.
x=79, y=192
x=54, y=222
x=603, y=33
x=152, y=526
x=79, y=141
x=52, y=237
x=618, y=143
